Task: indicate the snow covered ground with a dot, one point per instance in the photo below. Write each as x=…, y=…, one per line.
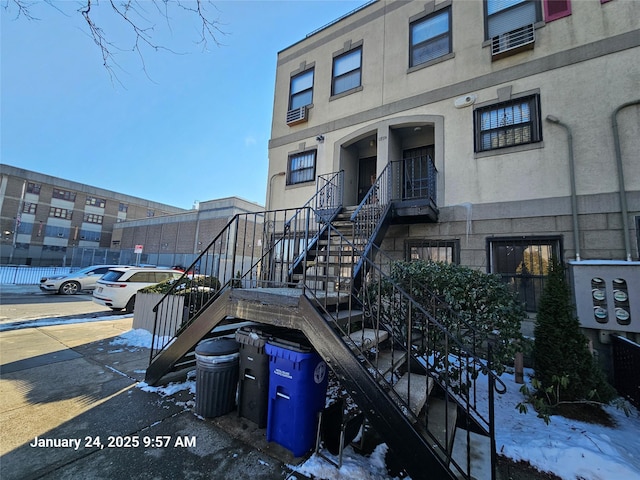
x=570, y=449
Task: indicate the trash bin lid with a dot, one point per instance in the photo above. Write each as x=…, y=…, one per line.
x=217, y=346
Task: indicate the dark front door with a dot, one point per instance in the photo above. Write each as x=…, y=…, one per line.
x=366, y=176
x=418, y=172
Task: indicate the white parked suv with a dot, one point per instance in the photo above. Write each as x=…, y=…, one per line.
x=83, y=279
x=118, y=287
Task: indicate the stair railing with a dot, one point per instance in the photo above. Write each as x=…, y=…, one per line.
x=252, y=250
x=441, y=344
x=258, y=249
x=372, y=209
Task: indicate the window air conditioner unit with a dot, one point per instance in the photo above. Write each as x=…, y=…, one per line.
x=512, y=42
x=297, y=115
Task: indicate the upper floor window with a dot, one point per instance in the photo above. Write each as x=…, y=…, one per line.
x=151, y=213
x=123, y=207
x=510, y=25
x=91, y=237
x=523, y=263
x=96, y=202
x=92, y=218
x=347, y=71
x=64, y=194
x=503, y=16
x=34, y=188
x=302, y=168
x=515, y=122
x=25, y=228
x=28, y=207
x=60, y=213
x=301, y=91
x=430, y=37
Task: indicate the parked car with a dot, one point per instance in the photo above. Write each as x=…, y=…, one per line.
x=118, y=287
x=83, y=279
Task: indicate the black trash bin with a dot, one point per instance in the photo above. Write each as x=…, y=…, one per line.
x=216, y=376
x=253, y=386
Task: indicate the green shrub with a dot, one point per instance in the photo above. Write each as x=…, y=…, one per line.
x=185, y=285
x=481, y=300
x=560, y=349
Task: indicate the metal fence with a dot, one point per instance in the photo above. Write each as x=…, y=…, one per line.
x=17, y=275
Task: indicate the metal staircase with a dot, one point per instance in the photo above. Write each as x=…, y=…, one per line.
x=317, y=269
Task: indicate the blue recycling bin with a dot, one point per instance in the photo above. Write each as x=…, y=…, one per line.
x=298, y=380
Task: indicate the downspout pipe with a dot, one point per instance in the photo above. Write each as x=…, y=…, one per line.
x=623, y=194
x=572, y=177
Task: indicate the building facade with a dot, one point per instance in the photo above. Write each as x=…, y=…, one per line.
x=44, y=217
x=180, y=238
x=509, y=130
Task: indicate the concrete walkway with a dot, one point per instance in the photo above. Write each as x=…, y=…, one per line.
x=67, y=388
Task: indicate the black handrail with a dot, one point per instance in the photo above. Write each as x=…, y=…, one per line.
x=451, y=362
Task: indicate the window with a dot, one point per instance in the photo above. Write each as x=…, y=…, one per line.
x=447, y=251
x=54, y=248
x=96, y=202
x=64, y=195
x=34, y=188
x=151, y=213
x=505, y=16
x=554, y=9
x=91, y=236
x=60, y=213
x=430, y=38
x=123, y=207
x=301, y=90
x=302, y=168
x=523, y=263
x=347, y=71
x=25, y=228
x=92, y=218
x=515, y=122
x=29, y=207
x=55, y=231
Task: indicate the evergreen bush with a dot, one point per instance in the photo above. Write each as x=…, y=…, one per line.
x=481, y=300
x=562, y=360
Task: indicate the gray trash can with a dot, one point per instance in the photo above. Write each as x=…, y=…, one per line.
x=216, y=377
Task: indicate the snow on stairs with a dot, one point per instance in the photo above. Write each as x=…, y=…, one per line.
x=367, y=338
x=414, y=390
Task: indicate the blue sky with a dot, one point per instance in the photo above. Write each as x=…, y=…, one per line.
x=194, y=126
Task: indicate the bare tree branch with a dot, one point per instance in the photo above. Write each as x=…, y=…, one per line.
x=139, y=22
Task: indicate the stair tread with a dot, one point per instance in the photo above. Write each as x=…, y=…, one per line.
x=389, y=360
x=442, y=415
x=420, y=388
x=480, y=454
x=368, y=337
x=344, y=314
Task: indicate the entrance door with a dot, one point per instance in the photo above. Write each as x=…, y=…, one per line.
x=366, y=176
x=419, y=173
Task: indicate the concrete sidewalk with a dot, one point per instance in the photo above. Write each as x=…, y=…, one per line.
x=67, y=388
